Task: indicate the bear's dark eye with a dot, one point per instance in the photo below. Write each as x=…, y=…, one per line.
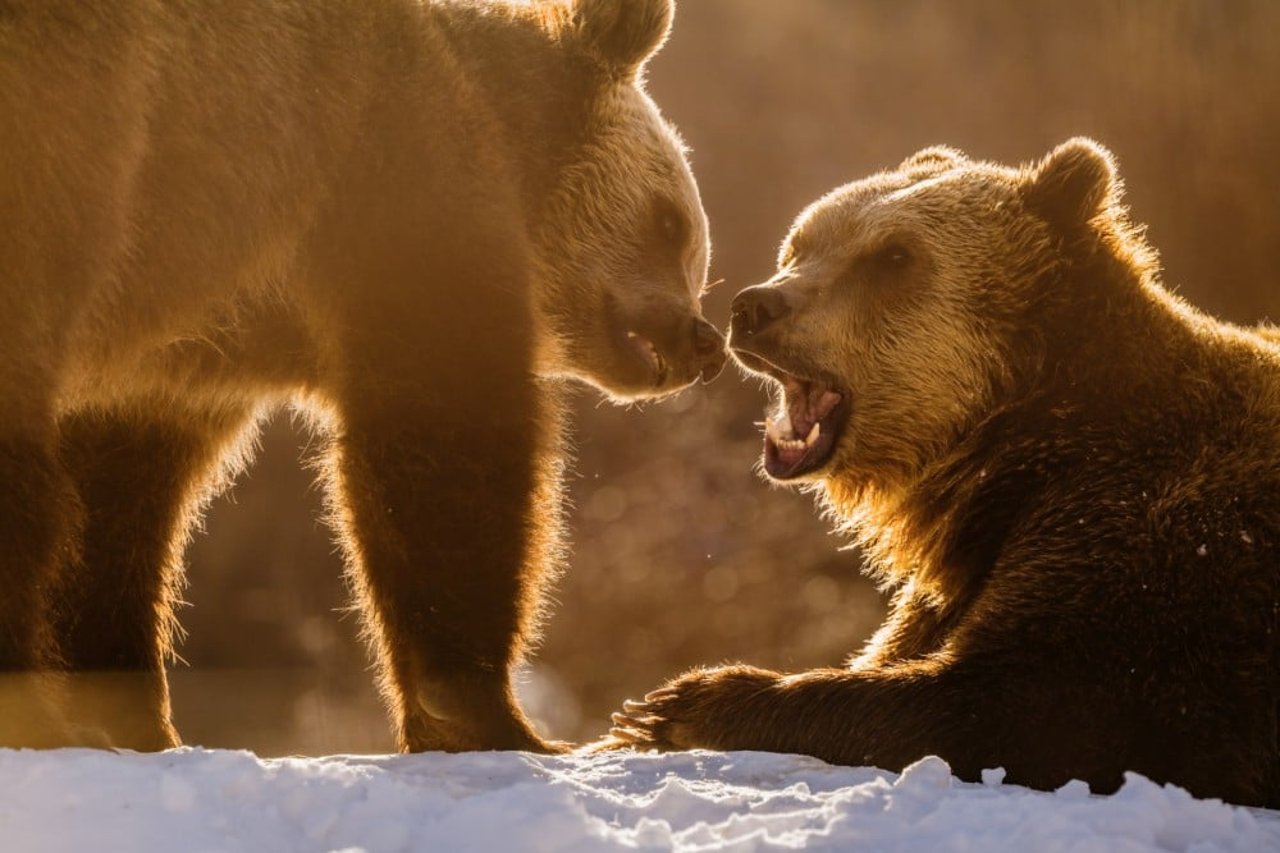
x=887, y=263
x=890, y=257
x=673, y=227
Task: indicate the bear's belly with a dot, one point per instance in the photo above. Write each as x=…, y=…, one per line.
x=246, y=348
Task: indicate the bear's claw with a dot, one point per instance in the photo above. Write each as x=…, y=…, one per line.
x=635, y=727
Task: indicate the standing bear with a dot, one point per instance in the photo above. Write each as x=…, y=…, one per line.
x=409, y=219
x=1069, y=477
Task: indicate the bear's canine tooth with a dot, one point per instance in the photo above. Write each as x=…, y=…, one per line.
x=778, y=430
x=814, y=432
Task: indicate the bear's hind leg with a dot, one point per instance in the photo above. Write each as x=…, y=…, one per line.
x=38, y=518
x=143, y=475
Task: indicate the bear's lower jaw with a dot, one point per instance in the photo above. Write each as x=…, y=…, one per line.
x=787, y=459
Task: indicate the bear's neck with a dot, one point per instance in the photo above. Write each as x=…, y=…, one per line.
x=1118, y=355
x=528, y=82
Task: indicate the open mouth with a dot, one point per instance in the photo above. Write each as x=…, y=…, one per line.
x=801, y=437
x=649, y=356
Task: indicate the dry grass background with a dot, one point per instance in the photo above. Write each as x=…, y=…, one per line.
x=681, y=555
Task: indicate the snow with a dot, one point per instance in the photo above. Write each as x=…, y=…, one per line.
x=218, y=800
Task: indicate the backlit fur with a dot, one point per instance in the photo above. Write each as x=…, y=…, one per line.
x=404, y=219
x=1068, y=477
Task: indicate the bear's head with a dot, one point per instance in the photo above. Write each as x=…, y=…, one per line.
x=909, y=304
x=622, y=236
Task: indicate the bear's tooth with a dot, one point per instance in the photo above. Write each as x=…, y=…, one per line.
x=814, y=432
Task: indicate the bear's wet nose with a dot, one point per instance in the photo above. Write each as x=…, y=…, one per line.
x=757, y=308
x=708, y=345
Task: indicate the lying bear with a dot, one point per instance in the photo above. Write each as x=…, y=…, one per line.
x=1069, y=477
x=408, y=219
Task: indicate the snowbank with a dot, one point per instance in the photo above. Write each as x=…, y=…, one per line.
x=207, y=800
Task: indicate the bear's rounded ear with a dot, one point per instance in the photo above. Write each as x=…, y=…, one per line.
x=932, y=160
x=621, y=35
x=1073, y=184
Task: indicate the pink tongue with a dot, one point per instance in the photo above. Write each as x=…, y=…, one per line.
x=807, y=403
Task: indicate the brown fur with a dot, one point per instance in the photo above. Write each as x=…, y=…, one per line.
x=410, y=221
x=1070, y=478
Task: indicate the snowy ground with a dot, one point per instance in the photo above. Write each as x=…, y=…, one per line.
x=203, y=800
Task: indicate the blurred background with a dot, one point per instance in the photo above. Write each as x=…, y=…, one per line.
x=681, y=555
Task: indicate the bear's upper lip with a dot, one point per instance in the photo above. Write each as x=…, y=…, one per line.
x=801, y=435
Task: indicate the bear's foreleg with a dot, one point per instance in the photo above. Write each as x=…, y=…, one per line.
x=440, y=487
x=143, y=476
x=916, y=626
x=436, y=507
x=1043, y=733
x=445, y=452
